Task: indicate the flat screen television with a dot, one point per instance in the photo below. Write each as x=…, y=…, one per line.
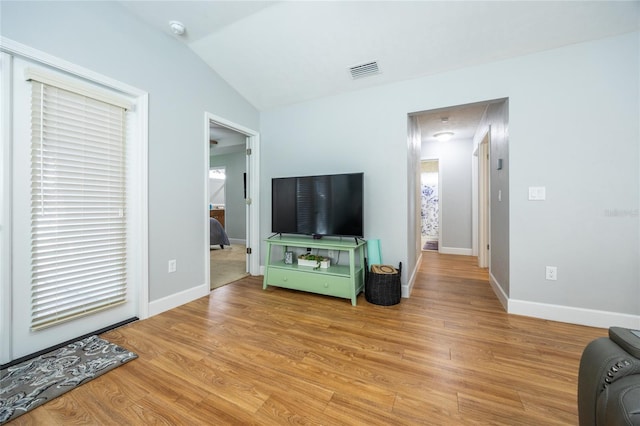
x=326, y=205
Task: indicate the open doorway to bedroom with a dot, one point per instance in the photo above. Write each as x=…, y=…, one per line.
x=229, y=193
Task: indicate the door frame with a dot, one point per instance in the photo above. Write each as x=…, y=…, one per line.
x=139, y=272
x=253, y=194
x=484, y=200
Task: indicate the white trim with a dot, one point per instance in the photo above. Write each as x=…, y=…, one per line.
x=27, y=52
x=254, y=195
x=474, y=202
x=456, y=250
x=174, y=300
x=51, y=79
x=207, y=222
x=484, y=201
x=572, y=315
x=6, y=70
x=568, y=314
x=499, y=292
x=142, y=105
x=411, y=280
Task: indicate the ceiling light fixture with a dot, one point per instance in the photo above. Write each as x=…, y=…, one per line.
x=177, y=27
x=443, y=136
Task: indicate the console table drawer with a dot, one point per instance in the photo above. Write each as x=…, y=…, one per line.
x=311, y=282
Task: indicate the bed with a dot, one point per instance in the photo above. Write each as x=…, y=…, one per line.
x=217, y=234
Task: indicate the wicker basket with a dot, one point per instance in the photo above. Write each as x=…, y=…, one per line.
x=382, y=289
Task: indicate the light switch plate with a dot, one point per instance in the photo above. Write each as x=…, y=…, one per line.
x=537, y=193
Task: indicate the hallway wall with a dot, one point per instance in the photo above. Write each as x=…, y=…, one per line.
x=455, y=185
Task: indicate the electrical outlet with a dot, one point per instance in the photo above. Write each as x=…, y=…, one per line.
x=551, y=273
x=330, y=254
x=173, y=266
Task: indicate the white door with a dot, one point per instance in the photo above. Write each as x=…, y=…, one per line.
x=23, y=339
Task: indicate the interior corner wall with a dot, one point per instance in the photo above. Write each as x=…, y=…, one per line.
x=561, y=106
x=106, y=38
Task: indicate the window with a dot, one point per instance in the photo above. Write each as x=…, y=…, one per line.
x=78, y=202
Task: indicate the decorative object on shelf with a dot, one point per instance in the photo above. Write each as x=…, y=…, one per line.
x=314, y=261
x=288, y=257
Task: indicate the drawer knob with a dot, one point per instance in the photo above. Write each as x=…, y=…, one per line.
x=326, y=285
x=285, y=279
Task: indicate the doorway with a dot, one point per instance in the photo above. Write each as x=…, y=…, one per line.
x=429, y=205
x=231, y=154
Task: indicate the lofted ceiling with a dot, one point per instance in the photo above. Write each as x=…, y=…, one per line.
x=277, y=53
x=280, y=53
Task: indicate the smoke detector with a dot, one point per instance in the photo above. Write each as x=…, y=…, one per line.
x=177, y=27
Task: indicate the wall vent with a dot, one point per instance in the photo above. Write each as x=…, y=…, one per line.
x=364, y=70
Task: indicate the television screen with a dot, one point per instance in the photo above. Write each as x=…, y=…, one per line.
x=318, y=205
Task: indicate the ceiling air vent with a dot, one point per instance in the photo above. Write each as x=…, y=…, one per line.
x=364, y=70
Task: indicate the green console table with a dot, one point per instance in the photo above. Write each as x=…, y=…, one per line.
x=345, y=281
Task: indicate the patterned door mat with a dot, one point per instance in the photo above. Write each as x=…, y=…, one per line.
x=31, y=383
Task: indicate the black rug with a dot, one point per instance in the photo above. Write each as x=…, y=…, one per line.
x=33, y=382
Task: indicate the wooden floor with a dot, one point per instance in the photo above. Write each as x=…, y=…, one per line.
x=448, y=355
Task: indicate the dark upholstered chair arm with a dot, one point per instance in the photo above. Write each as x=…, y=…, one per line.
x=622, y=402
x=604, y=363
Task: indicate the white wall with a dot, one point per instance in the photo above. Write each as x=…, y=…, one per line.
x=455, y=197
x=105, y=38
x=572, y=110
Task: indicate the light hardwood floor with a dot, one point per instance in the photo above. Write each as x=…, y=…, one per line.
x=448, y=355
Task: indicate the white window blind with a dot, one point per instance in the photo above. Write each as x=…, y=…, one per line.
x=78, y=205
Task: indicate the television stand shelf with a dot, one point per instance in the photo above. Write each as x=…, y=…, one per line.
x=345, y=281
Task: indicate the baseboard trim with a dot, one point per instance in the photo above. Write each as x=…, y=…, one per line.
x=60, y=345
x=175, y=300
x=456, y=250
x=573, y=315
x=237, y=241
x=411, y=280
x=499, y=292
